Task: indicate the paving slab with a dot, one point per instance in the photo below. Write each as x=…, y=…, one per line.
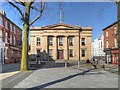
x=69, y=78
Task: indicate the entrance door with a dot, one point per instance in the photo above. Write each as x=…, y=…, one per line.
x=60, y=54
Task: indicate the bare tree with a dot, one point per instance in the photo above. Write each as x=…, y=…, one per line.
x=28, y=6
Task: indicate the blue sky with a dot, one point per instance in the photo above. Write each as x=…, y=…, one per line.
x=97, y=15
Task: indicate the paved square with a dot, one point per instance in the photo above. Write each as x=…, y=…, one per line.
x=69, y=78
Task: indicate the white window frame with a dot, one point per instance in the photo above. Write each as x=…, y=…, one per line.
x=11, y=27
x=116, y=43
x=84, y=52
x=50, y=52
x=83, y=41
x=115, y=30
x=70, y=52
x=6, y=37
x=14, y=29
x=107, y=34
x=6, y=24
x=1, y=20
x=71, y=41
x=107, y=44
x=60, y=41
x=50, y=41
x=11, y=38
x=14, y=40
x=38, y=41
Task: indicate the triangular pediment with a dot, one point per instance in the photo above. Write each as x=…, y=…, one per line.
x=60, y=26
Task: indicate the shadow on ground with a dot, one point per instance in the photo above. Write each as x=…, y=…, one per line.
x=60, y=80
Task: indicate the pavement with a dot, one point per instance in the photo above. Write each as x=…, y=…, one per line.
x=60, y=77
x=69, y=78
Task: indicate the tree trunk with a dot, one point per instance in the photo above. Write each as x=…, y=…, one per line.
x=118, y=7
x=24, y=61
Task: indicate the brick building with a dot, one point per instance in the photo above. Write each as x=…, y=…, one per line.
x=61, y=42
x=11, y=38
x=111, y=43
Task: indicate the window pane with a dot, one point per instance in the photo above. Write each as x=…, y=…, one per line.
x=83, y=41
x=50, y=41
x=83, y=53
x=71, y=41
x=38, y=41
x=1, y=20
x=71, y=53
x=6, y=40
x=60, y=41
x=50, y=52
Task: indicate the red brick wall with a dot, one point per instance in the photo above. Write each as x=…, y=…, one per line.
x=111, y=36
x=16, y=35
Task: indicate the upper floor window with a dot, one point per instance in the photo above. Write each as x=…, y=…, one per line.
x=10, y=27
x=115, y=30
x=50, y=52
x=83, y=42
x=116, y=43
x=107, y=44
x=50, y=41
x=83, y=52
x=6, y=24
x=14, y=29
x=38, y=41
x=71, y=41
x=14, y=40
x=71, y=53
x=6, y=38
x=60, y=41
x=12, y=52
x=107, y=34
x=1, y=20
x=11, y=38
x=19, y=33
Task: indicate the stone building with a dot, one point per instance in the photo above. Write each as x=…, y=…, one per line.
x=61, y=42
x=111, y=43
x=10, y=40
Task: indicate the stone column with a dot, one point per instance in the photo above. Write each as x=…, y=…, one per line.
x=55, y=45
x=66, y=48
x=45, y=47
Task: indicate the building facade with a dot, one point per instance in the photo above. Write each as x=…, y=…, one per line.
x=61, y=42
x=98, y=46
x=111, y=43
x=11, y=39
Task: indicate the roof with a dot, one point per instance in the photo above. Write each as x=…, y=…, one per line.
x=110, y=25
x=57, y=26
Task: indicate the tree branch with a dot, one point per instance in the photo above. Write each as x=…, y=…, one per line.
x=16, y=8
x=41, y=11
x=19, y=2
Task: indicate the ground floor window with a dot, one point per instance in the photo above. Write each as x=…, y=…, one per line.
x=83, y=52
x=71, y=53
x=50, y=52
x=6, y=53
x=38, y=51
